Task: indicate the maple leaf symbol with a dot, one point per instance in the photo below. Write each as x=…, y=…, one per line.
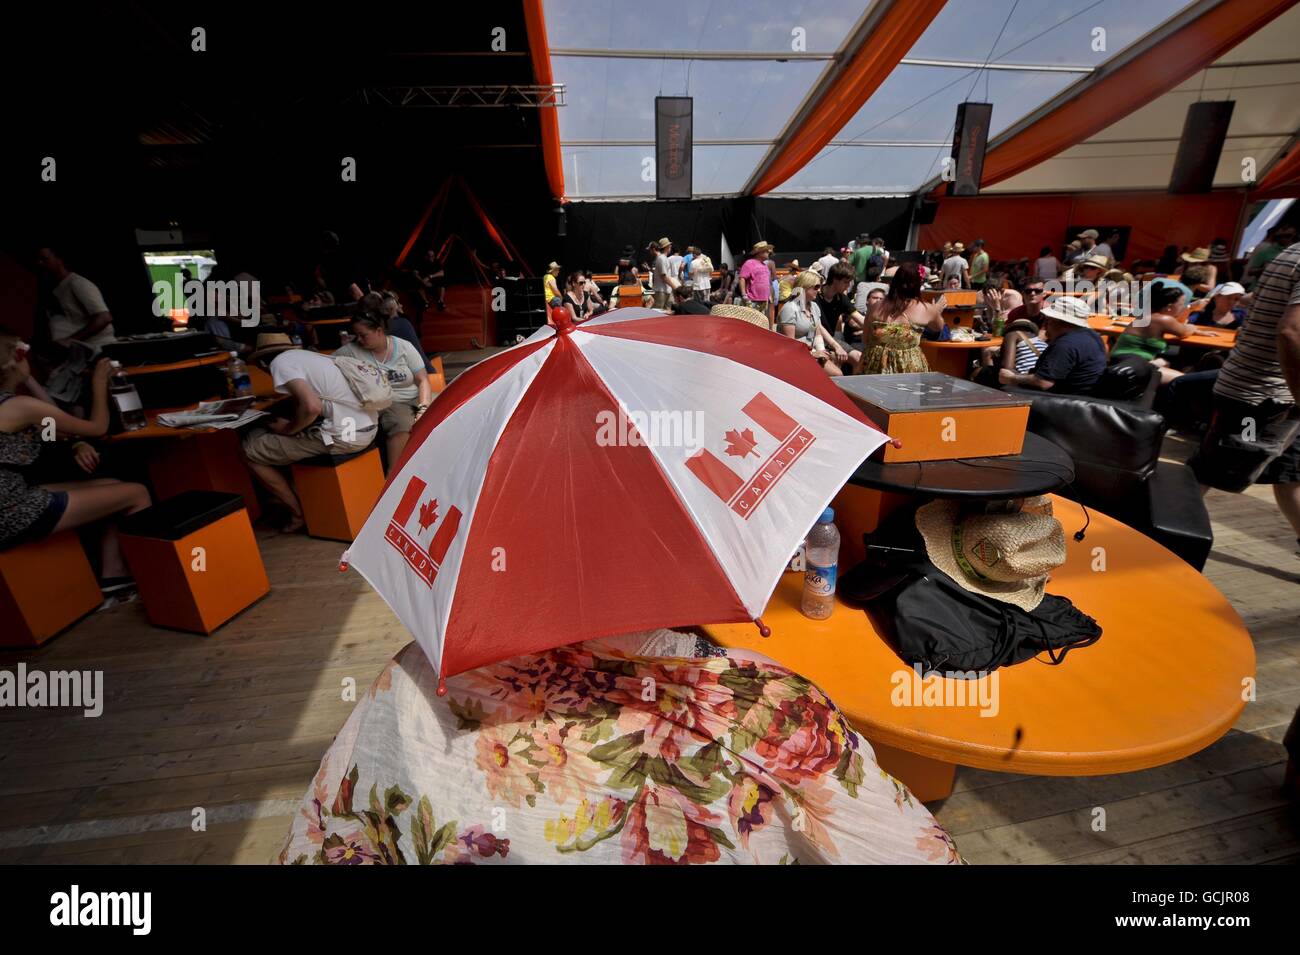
x=428, y=514
x=741, y=443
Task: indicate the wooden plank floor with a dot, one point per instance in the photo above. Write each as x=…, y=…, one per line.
x=236, y=723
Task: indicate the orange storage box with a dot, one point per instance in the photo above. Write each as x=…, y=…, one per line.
x=195, y=560
x=337, y=492
x=45, y=587
x=938, y=417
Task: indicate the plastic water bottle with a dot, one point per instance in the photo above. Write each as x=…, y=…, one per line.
x=822, y=558
x=130, y=410
x=237, y=374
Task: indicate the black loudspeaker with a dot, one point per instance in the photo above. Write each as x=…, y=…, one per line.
x=1204, y=130
x=926, y=211
x=968, y=141
x=674, y=145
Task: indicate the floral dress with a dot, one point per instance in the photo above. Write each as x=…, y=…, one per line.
x=599, y=754
x=893, y=348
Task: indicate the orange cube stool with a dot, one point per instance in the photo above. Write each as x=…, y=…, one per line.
x=45, y=586
x=195, y=560
x=337, y=492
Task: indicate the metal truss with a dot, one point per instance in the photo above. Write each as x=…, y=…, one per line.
x=461, y=96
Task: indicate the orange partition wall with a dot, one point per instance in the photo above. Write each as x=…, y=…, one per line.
x=1016, y=226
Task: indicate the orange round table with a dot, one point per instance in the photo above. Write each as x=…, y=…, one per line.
x=954, y=358
x=1166, y=679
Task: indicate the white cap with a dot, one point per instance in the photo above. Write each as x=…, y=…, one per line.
x=1229, y=288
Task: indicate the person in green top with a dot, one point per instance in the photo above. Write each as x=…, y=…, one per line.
x=861, y=257
x=1146, y=339
x=979, y=265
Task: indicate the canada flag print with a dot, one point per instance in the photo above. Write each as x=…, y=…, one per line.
x=780, y=442
x=415, y=516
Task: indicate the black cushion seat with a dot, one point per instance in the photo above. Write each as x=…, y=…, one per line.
x=182, y=515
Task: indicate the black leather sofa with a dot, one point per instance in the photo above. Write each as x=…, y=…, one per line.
x=1116, y=450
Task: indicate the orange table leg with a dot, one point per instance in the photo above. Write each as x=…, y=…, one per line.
x=858, y=511
x=210, y=461
x=928, y=779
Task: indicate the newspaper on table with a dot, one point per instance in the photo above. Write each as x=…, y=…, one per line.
x=230, y=413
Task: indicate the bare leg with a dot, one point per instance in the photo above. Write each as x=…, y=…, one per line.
x=396, y=444
x=832, y=368
x=1288, y=502
x=93, y=501
x=274, y=481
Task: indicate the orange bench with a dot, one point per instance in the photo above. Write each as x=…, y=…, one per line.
x=337, y=492
x=195, y=560
x=45, y=587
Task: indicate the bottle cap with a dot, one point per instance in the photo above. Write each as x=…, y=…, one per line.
x=828, y=516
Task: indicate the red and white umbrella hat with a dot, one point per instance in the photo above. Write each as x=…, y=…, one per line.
x=637, y=471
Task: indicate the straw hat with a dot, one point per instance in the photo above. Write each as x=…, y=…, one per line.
x=1089, y=234
x=1196, y=255
x=553, y=266
x=664, y=243
x=760, y=246
x=271, y=343
x=957, y=247
x=1094, y=262
x=1005, y=557
x=1067, y=309
x=743, y=313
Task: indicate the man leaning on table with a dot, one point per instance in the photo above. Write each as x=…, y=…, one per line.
x=326, y=417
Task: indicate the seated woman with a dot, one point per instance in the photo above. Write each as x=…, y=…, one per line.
x=1218, y=309
x=1147, y=340
x=404, y=366
x=560, y=757
x=891, y=342
x=32, y=511
x=800, y=318
x=576, y=297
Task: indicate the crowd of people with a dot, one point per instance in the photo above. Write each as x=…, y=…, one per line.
x=56, y=472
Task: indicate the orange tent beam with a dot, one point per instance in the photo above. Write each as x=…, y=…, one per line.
x=884, y=43
x=1283, y=180
x=1117, y=93
x=540, y=51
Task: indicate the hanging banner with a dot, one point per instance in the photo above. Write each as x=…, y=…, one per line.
x=674, y=142
x=968, y=141
x=1204, y=131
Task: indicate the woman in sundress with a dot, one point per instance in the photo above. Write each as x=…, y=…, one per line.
x=892, y=342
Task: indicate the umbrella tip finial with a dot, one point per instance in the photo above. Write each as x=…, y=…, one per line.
x=442, y=687
x=763, y=629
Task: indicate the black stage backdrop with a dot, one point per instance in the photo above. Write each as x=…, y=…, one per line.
x=598, y=231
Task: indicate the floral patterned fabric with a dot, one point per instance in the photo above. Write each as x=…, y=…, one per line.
x=589, y=754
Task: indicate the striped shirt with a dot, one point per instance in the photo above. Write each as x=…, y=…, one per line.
x=1027, y=352
x=1253, y=371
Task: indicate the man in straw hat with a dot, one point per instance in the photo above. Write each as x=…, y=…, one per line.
x=955, y=266
x=1075, y=357
x=663, y=274
x=756, y=281
x=326, y=419
x=551, y=283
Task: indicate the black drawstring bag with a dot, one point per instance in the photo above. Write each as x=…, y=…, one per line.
x=934, y=622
